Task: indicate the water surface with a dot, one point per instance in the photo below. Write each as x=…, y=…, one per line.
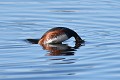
x=97, y=22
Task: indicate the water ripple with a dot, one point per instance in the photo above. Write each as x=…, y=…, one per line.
x=95, y=21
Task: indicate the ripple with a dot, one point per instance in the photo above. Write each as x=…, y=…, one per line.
x=95, y=21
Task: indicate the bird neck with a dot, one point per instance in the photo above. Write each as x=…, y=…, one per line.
x=77, y=38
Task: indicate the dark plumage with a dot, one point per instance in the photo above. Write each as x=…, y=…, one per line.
x=58, y=35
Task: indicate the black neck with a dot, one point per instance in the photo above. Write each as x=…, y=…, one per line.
x=77, y=38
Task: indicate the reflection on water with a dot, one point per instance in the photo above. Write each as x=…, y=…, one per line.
x=57, y=49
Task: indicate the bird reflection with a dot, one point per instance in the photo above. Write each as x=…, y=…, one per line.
x=57, y=49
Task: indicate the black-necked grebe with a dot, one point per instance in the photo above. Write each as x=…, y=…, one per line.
x=58, y=35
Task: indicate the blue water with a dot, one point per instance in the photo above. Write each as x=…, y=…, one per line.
x=96, y=21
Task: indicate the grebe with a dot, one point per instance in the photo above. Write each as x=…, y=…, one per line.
x=58, y=35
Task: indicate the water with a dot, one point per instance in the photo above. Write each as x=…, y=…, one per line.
x=97, y=22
